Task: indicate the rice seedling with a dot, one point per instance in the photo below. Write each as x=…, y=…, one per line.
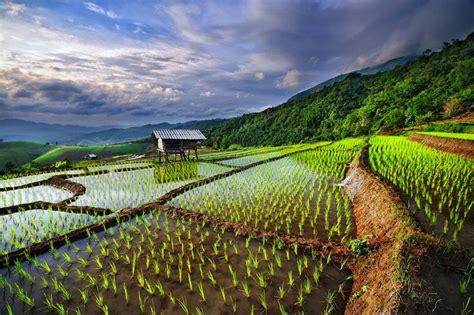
x=284, y=200
x=437, y=185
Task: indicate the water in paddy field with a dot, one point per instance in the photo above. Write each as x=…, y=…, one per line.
x=216, y=261
x=242, y=161
x=22, y=229
x=32, y=194
x=13, y=182
x=269, y=195
x=119, y=190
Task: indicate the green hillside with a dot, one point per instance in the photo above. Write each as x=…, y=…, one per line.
x=78, y=152
x=435, y=85
x=17, y=153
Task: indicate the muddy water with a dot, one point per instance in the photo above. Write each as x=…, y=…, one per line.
x=144, y=238
x=465, y=238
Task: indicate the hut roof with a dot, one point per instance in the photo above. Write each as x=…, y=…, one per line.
x=178, y=134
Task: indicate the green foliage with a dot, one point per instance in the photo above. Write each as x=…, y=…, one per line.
x=20, y=152
x=359, y=247
x=434, y=86
x=168, y=172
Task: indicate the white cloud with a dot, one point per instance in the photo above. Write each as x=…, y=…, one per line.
x=259, y=75
x=264, y=62
x=98, y=9
x=13, y=9
x=291, y=79
x=207, y=93
x=182, y=18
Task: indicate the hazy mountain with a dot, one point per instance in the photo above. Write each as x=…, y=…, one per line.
x=117, y=135
x=386, y=66
x=17, y=129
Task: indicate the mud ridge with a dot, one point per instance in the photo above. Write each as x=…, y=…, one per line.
x=450, y=145
x=397, y=278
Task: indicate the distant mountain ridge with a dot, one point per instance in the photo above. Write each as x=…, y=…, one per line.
x=117, y=135
x=386, y=66
x=18, y=129
x=22, y=130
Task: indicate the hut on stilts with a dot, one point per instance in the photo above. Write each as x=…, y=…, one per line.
x=177, y=142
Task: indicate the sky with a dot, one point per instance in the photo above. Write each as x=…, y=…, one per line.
x=128, y=63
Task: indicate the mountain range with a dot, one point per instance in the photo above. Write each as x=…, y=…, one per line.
x=17, y=129
x=386, y=66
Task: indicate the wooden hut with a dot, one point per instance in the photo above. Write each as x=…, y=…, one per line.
x=177, y=142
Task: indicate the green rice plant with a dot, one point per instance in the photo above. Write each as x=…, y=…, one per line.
x=84, y=296
x=201, y=291
x=211, y=278
x=281, y=291
x=263, y=300
x=245, y=289
x=125, y=292
x=438, y=183
x=183, y=303
x=23, y=296
x=223, y=294
x=291, y=279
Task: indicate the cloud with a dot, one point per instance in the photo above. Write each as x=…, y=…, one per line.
x=13, y=9
x=182, y=17
x=259, y=76
x=291, y=79
x=98, y=9
x=166, y=61
x=207, y=93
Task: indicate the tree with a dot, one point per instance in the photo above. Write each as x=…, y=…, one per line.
x=9, y=166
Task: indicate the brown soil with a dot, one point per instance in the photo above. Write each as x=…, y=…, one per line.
x=378, y=212
x=402, y=276
x=457, y=146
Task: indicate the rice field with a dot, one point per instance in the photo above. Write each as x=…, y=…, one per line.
x=157, y=261
x=159, y=264
x=297, y=195
x=24, y=228
x=462, y=136
x=32, y=194
x=439, y=185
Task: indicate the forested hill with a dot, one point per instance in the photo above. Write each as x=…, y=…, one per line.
x=435, y=85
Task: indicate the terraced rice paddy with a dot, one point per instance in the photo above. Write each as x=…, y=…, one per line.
x=159, y=264
x=22, y=229
x=296, y=195
x=28, y=195
x=271, y=233
x=438, y=185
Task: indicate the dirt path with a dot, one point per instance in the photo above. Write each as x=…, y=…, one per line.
x=450, y=145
